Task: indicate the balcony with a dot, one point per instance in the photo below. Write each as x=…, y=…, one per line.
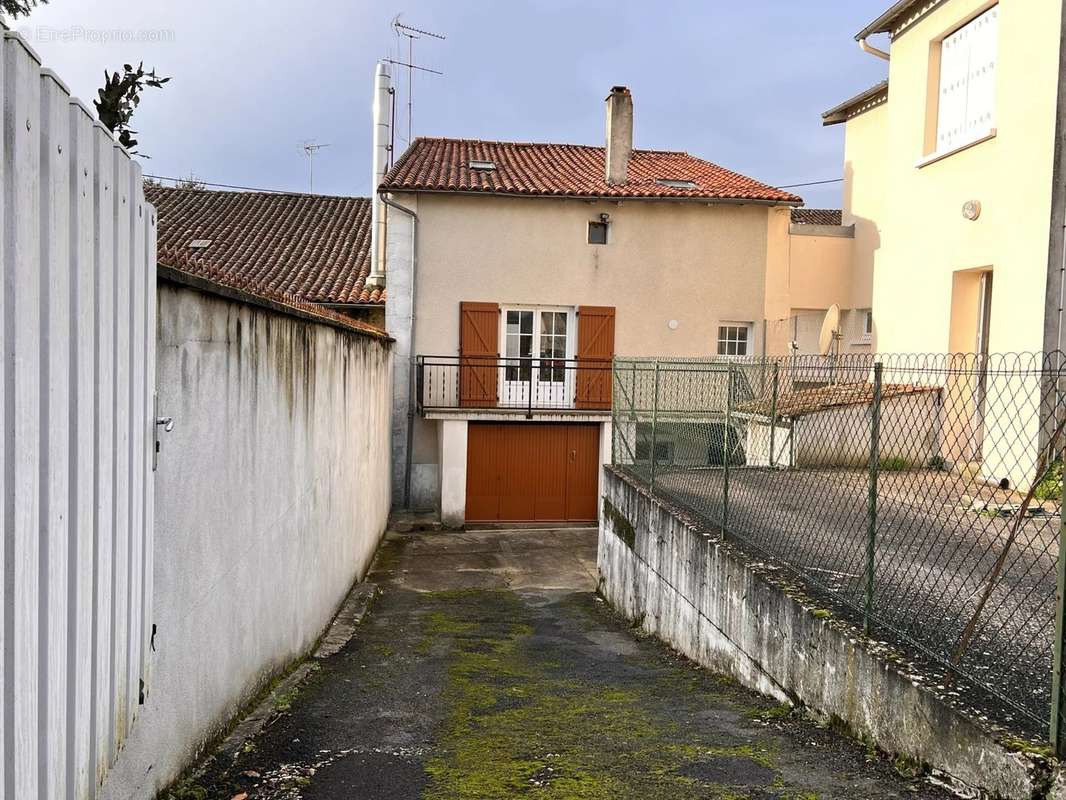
x=447, y=385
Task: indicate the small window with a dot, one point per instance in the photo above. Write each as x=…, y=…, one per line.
x=734, y=339
x=482, y=165
x=867, y=322
x=676, y=183
x=598, y=232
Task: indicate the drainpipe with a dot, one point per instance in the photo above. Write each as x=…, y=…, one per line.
x=866, y=47
x=411, y=344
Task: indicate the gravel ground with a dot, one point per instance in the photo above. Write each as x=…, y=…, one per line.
x=934, y=555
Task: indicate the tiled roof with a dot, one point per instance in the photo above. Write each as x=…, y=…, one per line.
x=859, y=104
x=177, y=262
x=567, y=170
x=816, y=216
x=836, y=395
x=887, y=22
x=314, y=247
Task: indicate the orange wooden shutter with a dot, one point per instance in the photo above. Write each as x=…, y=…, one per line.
x=479, y=351
x=595, y=349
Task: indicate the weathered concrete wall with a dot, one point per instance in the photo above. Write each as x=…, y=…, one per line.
x=708, y=601
x=272, y=494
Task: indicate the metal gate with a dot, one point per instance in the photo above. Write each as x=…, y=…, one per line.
x=77, y=306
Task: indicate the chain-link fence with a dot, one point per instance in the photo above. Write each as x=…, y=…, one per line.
x=918, y=495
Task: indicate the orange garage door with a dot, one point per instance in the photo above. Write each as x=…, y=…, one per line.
x=529, y=472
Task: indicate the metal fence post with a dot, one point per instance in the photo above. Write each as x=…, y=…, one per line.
x=728, y=455
x=871, y=511
x=654, y=427
x=1058, y=726
x=773, y=412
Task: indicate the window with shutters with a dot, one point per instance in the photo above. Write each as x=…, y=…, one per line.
x=966, y=99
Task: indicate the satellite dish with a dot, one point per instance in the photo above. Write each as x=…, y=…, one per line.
x=830, y=335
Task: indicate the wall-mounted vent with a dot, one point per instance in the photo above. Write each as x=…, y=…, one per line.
x=482, y=165
x=674, y=183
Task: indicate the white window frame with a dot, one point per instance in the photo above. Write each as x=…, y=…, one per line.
x=966, y=85
x=547, y=393
x=749, y=342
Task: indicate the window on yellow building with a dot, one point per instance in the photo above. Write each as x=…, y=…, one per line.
x=966, y=103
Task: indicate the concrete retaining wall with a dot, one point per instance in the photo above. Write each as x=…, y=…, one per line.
x=272, y=494
x=707, y=600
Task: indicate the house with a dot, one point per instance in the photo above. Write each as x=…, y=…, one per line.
x=314, y=248
x=953, y=181
x=516, y=270
x=952, y=176
x=823, y=272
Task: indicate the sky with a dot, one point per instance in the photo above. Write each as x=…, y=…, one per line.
x=742, y=84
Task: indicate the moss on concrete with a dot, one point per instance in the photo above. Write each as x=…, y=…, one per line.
x=519, y=726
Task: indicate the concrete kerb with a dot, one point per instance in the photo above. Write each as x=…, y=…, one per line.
x=250, y=721
x=337, y=635
x=717, y=605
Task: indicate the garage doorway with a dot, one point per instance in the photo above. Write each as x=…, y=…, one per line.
x=532, y=472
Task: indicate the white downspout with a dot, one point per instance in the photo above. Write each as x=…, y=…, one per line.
x=866, y=47
x=382, y=92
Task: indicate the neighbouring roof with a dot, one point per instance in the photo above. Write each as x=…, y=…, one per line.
x=888, y=22
x=817, y=216
x=568, y=170
x=859, y=104
x=314, y=247
x=179, y=265
x=835, y=395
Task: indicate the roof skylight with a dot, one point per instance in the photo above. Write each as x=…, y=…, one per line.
x=675, y=183
x=482, y=165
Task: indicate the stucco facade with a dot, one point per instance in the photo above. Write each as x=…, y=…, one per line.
x=959, y=227
x=695, y=263
x=907, y=200
x=674, y=272
x=270, y=503
x=823, y=271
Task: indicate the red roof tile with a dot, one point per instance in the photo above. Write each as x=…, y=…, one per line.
x=817, y=216
x=314, y=247
x=179, y=262
x=567, y=170
x=810, y=401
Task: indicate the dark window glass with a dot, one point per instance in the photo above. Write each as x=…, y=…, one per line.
x=597, y=233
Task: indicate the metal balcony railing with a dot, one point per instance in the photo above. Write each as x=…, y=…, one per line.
x=521, y=384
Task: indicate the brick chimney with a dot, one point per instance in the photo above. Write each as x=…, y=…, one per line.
x=619, y=134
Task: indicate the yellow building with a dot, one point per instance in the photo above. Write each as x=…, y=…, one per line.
x=951, y=177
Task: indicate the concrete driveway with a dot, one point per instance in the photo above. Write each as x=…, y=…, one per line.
x=488, y=668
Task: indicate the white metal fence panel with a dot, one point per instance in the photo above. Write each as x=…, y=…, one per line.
x=77, y=296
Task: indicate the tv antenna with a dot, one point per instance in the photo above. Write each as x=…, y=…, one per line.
x=412, y=34
x=310, y=147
